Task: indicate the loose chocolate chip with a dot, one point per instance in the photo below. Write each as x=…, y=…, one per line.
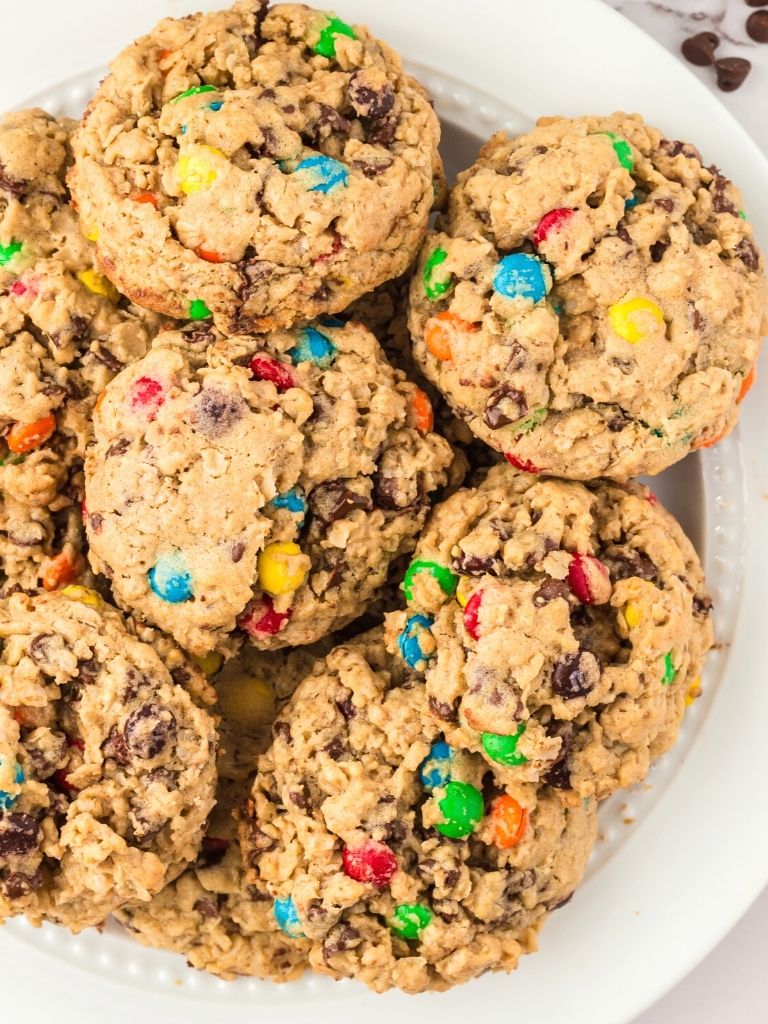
x=333, y=501
x=576, y=675
x=119, y=447
x=731, y=72
x=757, y=26
x=149, y=730
x=19, y=834
x=506, y=405
x=700, y=49
x=441, y=709
x=747, y=253
x=473, y=565
x=756, y=3
x=368, y=101
x=551, y=590
x=282, y=730
x=216, y=411
x=107, y=358
x=54, y=391
x=115, y=747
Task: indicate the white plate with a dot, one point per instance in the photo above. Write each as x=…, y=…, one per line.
x=661, y=891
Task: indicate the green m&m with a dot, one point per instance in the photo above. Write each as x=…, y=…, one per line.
x=503, y=749
x=7, y=252
x=198, y=310
x=436, y=285
x=622, y=149
x=326, y=44
x=194, y=91
x=446, y=580
x=410, y=919
x=463, y=809
x=670, y=672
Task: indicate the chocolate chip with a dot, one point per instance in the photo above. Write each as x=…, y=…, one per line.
x=300, y=797
x=315, y=912
x=386, y=490
x=632, y=563
x=346, y=708
x=260, y=841
x=756, y=3
x=213, y=849
x=551, y=590
x=328, y=122
x=334, y=749
x=658, y=249
x=333, y=501
x=47, y=750
x=441, y=709
x=383, y=132
x=702, y=605
x=149, y=730
x=747, y=253
x=216, y=411
x=115, y=747
x=665, y=204
x=282, y=730
x=119, y=447
x=16, y=186
x=33, y=534
x=675, y=147
x=107, y=358
x=698, y=320
x=473, y=565
x=506, y=405
x=253, y=273
x=757, y=26
x=236, y=550
x=88, y=670
x=18, y=885
x=339, y=939
x=559, y=775
x=731, y=72
x=95, y=521
x=19, y=834
x=367, y=100
x=207, y=907
x=700, y=49
x=372, y=168
x=561, y=903
x=624, y=235
x=575, y=675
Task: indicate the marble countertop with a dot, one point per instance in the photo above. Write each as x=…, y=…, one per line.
x=732, y=983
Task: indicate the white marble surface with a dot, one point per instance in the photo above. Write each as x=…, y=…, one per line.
x=732, y=983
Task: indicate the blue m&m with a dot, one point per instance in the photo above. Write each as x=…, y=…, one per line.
x=293, y=501
x=170, y=579
x=323, y=173
x=287, y=917
x=11, y=775
x=415, y=643
x=522, y=276
x=435, y=769
x=313, y=347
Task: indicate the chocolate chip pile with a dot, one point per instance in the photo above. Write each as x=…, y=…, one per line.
x=329, y=612
x=732, y=72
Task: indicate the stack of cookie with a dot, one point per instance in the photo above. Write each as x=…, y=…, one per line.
x=329, y=611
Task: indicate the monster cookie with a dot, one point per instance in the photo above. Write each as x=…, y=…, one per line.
x=106, y=764
x=593, y=303
x=275, y=164
x=268, y=483
x=560, y=627
x=64, y=331
x=220, y=922
x=402, y=862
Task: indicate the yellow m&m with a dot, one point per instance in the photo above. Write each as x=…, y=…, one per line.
x=633, y=614
x=92, y=233
x=634, y=319
x=83, y=594
x=282, y=568
x=210, y=663
x=98, y=284
x=247, y=701
x=196, y=171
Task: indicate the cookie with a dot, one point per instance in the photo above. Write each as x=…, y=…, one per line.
x=560, y=627
x=592, y=304
x=403, y=863
x=267, y=484
x=64, y=332
x=211, y=914
x=106, y=764
x=275, y=164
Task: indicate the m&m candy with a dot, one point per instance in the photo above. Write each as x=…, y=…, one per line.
x=196, y=171
x=509, y=822
x=194, y=91
x=282, y=568
x=293, y=501
x=312, y=346
x=670, y=672
x=440, y=329
x=98, y=284
x=435, y=769
x=472, y=615
x=635, y=319
x=371, y=864
x=436, y=283
x=550, y=223
x=326, y=43
x=421, y=409
x=83, y=595
x=7, y=252
x=416, y=644
x=261, y=618
x=210, y=663
x=633, y=614
x=622, y=149
x=522, y=276
x=59, y=570
x=524, y=465
x=409, y=920
x=11, y=779
x=246, y=700
x=287, y=917
x=442, y=575
x=503, y=749
x=198, y=310
x=462, y=808
x=170, y=579
x=26, y=437
x=589, y=579
x=146, y=395
x=277, y=373
x=323, y=173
